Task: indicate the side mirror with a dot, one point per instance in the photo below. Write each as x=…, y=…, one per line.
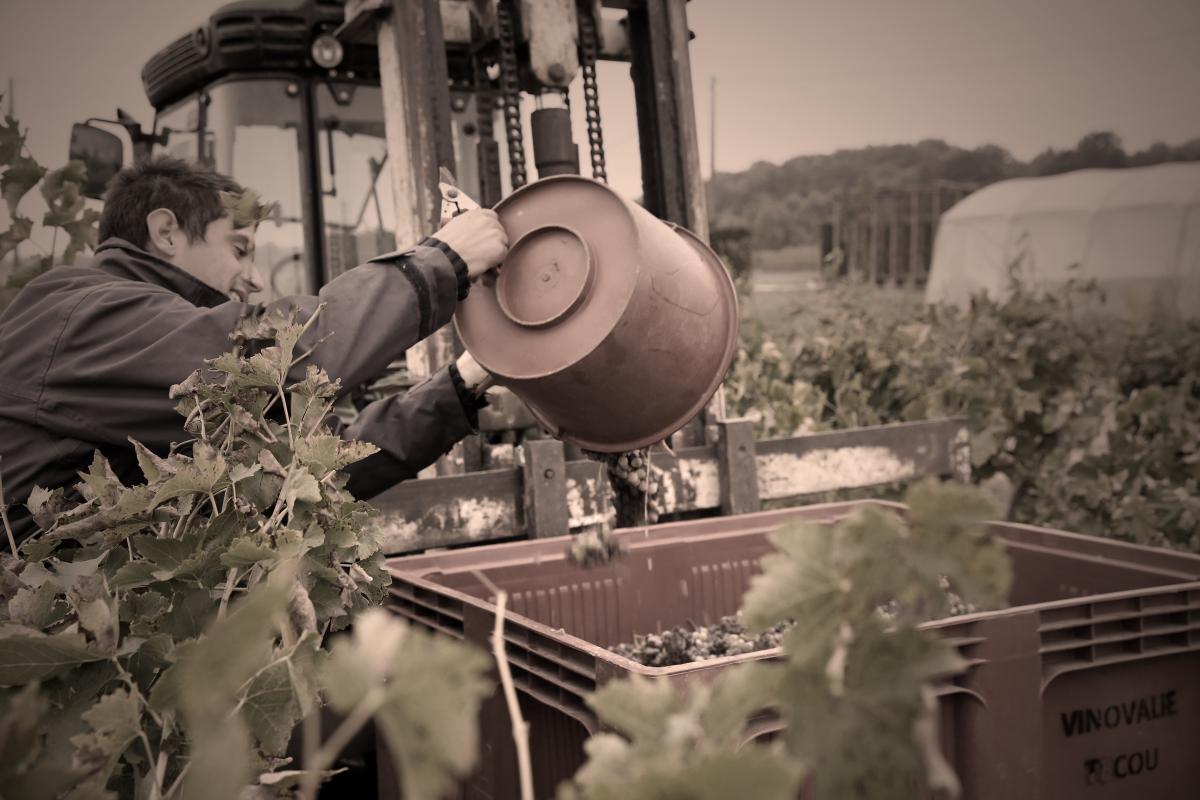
x=101, y=151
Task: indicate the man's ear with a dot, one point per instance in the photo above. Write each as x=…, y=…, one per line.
x=165, y=235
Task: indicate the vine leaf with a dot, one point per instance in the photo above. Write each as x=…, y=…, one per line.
x=638, y=707
x=37, y=607
x=205, y=680
x=271, y=709
x=201, y=475
x=25, y=659
x=163, y=556
x=150, y=594
x=63, y=192
x=18, y=232
x=428, y=686
x=83, y=234
x=11, y=140
x=20, y=713
x=684, y=743
x=300, y=487
x=246, y=208
x=115, y=721
x=153, y=467
x=23, y=174
x=96, y=610
x=45, y=505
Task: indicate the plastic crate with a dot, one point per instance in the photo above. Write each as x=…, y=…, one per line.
x=1093, y=624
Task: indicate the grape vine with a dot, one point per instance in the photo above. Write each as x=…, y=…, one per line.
x=163, y=639
x=1094, y=422
x=66, y=210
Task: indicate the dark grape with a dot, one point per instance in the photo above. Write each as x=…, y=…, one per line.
x=729, y=637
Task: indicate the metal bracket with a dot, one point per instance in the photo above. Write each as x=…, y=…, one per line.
x=360, y=17
x=552, y=30
x=545, y=473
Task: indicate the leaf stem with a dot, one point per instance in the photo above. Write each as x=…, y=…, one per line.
x=156, y=789
x=178, y=779
x=341, y=737
x=284, y=400
x=520, y=728
x=230, y=580
x=12, y=541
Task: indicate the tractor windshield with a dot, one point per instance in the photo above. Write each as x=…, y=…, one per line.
x=253, y=134
x=255, y=130
x=356, y=188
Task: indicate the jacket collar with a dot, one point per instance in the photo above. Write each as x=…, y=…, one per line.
x=118, y=257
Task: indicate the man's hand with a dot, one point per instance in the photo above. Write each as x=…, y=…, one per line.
x=478, y=238
x=475, y=377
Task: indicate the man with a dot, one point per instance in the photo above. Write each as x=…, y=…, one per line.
x=88, y=353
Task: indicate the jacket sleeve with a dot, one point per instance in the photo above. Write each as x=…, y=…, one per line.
x=123, y=345
x=411, y=430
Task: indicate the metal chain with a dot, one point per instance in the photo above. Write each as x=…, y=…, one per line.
x=510, y=88
x=591, y=95
x=490, y=189
x=484, y=102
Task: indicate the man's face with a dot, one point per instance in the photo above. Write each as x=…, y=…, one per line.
x=223, y=259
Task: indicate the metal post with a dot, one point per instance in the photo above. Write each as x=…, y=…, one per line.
x=712, y=131
x=672, y=184
x=662, y=83
x=313, y=194
x=416, y=112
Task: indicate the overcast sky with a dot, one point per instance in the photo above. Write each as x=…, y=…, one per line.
x=793, y=77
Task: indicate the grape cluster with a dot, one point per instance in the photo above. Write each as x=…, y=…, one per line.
x=957, y=605
x=594, y=547
x=637, y=482
x=728, y=637
x=684, y=644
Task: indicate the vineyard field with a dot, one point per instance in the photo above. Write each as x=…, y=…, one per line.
x=1093, y=423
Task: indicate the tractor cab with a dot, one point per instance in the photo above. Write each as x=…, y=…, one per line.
x=264, y=92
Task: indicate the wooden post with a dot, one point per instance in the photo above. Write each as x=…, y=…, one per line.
x=838, y=237
x=545, y=473
x=915, y=267
x=737, y=466
x=417, y=120
x=873, y=242
x=847, y=255
x=894, y=238
x=860, y=263
x=960, y=453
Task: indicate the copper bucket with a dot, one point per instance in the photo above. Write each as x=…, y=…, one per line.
x=614, y=327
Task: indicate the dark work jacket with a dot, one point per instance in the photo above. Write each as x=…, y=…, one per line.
x=88, y=355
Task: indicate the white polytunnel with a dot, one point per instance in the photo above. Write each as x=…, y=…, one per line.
x=1136, y=232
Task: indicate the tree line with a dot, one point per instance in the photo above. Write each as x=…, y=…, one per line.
x=784, y=204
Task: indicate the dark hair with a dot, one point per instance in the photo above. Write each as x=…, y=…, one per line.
x=191, y=191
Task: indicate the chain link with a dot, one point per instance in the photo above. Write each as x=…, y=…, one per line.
x=488, y=152
x=510, y=89
x=591, y=95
